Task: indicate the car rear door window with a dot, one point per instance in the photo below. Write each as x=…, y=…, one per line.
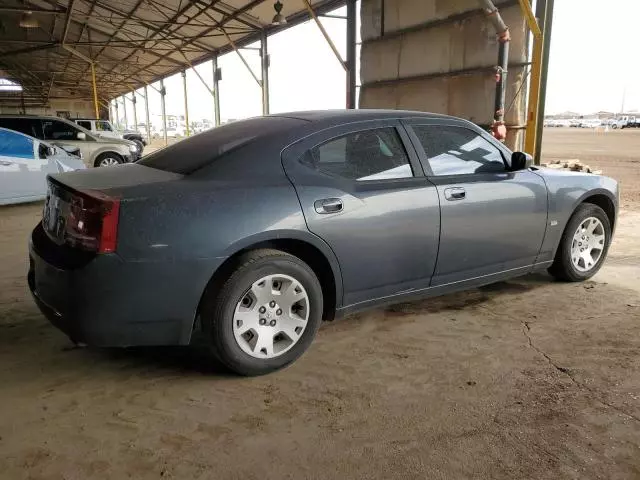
x=14, y=145
x=84, y=124
x=57, y=130
x=376, y=154
x=455, y=150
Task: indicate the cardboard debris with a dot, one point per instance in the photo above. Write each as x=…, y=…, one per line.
x=574, y=164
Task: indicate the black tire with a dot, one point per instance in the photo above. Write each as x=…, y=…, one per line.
x=562, y=267
x=140, y=145
x=219, y=305
x=100, y=158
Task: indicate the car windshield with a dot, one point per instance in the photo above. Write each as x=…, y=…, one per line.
x=191, y=154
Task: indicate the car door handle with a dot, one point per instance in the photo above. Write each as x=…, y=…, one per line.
x=328, y=205
x=455, y=193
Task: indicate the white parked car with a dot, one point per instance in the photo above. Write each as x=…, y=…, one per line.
x=25, y=163
x=590, y=123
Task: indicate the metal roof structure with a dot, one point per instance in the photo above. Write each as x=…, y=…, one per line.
x=130, y=42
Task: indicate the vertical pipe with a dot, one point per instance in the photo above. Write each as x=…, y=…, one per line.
x=146, y=112
x=95, y=90
x=163, y=92
x=186, y=102
x=264, y=57
x=135, y=113
x=546, y=49
x=216, y=90
x=499, y=129
x=115, y=102
x=351, y=54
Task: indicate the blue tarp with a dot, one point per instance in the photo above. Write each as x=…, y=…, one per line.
x=13, y=144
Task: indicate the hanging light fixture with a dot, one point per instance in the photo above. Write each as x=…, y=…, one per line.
x=278, y=18
x=27, y=20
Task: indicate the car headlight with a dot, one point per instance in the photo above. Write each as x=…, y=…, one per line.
x=133, y=148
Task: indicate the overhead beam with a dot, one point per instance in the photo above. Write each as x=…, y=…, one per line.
x=45, y=11
x=67, y=21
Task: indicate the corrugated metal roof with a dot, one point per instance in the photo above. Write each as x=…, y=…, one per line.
x=132, y=42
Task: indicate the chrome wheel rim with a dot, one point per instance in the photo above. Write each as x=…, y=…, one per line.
x=588, y=244
x=108, y=162
x=271, y=316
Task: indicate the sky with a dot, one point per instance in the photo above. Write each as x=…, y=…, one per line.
x=594, y=56
x=593, y=62
x=304, y=74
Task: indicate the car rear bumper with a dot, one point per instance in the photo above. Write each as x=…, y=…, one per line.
x=103, y=301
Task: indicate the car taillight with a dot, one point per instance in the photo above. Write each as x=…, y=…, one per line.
x=92, y=222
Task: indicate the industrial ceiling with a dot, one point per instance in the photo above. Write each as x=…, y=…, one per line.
x=47, y=45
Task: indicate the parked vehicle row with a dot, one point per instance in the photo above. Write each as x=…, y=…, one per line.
x=97, y=150
x=626, y=121
x=252, y=233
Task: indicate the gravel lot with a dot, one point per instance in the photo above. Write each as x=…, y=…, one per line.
x=523, y=379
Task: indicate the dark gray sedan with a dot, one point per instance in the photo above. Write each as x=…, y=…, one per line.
x=254, y=232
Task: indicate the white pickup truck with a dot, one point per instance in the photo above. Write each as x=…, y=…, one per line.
x=105, y=128
x=626, y=121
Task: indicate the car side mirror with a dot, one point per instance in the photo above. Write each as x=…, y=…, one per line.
x=51, y=151
x=81, y=136
x=520, y=161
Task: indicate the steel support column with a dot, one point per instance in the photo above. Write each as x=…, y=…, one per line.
x=117, y=112
x=264, y=57
x=95, y=90
x=163, y=92
x=186, y=102
x=546, y=48
x=216, y=90
x=146, y=112
x=124, y=107
x=135, y=113
x=351, y=54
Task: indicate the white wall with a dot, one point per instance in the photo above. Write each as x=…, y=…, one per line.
x=77, y=108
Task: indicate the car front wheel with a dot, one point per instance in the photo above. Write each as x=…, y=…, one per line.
x=584, y=244
x=265, y=315
x=108, y=159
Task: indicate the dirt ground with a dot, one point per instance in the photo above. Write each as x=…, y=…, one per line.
x=523, y=379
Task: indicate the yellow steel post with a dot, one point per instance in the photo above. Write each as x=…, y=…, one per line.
x=531, y=132
x=95, y=90
x=534, y=99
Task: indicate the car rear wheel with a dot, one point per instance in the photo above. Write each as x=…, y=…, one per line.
x=108, y=159
x=265, y=315
x=584, y=244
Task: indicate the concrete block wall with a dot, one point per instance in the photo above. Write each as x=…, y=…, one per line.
x=76, y=108
x=440, y=56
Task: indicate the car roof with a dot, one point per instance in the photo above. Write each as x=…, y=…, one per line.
x=345, y=116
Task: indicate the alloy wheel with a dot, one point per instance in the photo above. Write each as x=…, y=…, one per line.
x=108, y=162
x=271, y=316
x=588, y=243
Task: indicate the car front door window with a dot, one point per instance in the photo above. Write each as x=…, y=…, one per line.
x=458, y=151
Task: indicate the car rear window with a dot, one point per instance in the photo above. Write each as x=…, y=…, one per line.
x=193, y=153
